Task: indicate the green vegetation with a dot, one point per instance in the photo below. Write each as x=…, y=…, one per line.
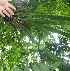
x=37, y=37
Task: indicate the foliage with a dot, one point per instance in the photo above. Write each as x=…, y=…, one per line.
x=28, y=40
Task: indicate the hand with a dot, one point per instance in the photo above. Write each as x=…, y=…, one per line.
x=6, y=8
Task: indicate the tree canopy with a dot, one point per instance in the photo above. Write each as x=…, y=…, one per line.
x=37, y=37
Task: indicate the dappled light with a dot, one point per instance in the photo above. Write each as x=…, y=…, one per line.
x=36, y=37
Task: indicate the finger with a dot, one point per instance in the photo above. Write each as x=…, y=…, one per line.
x=6, y=13
x=9, y=11
x=10, y=5
x=2, y=14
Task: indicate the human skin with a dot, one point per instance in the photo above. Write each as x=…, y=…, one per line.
x=6, y=8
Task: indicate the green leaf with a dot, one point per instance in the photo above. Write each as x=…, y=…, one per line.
x=55, y=65
x=26, y=68
x=16, y=69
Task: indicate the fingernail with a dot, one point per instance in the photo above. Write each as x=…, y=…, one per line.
x=3, y=15
x=12, y=13
x=15, y=8
x=9, y=16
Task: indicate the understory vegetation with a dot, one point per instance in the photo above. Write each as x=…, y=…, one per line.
x=37, y=37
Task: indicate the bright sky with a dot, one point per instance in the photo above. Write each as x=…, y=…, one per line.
x=56, y=39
